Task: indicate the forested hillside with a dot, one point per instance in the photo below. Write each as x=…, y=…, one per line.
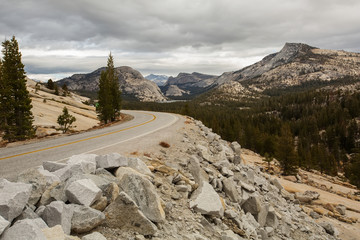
x=314, y=129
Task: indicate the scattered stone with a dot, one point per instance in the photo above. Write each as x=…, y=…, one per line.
x=58, y=213
x=83, y=192
x=235, y=146
x=27, y=213
x=303, y=198
x=26, y=229
x=230, y=190
x=276, y=183
x=315, y=215
x=206, y=201
x=328, y=227
x=247, y=187
x=55, y=233
x=138, y=165
x=312, y=194
x=229, y=235
x=203, y=152
x=53, y=166
x=195, y=169
x=38, y=182
x=100, y=204
x=252, y=205
x=143, y=192
x=182, y=188
x=329, y=207
x=229, y=213
x=3, y=224
x=226, y=172
x=112, y=160
x=237, y=160
x=341, y=209
x=85, y=218
x=87, y=162
x=121, y=171
x=262, y=215
x=124, y=213
x=111, y=192
x=13, y=198
x=50, y=177
x=94, y=236
x=272, y=219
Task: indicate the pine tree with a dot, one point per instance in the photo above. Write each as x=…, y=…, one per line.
x=115, y=92
x=104, y=107
x=65, y=120
x=56, y=88
x=16, y=104
x=65, y=90
x=109, y=94
x=50, y=84
x=285, y=151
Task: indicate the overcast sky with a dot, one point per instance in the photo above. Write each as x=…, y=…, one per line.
x=59, y=38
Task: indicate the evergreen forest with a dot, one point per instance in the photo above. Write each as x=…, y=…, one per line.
x=311, y=129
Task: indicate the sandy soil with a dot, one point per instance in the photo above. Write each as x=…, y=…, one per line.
x=346, y=231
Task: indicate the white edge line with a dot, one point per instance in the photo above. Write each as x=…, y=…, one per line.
x=141, y=135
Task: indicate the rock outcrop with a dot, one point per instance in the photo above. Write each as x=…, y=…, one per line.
x=131, y=83
x=187, y=84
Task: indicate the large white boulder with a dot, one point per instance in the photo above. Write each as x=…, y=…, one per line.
x=3, y=224
x=83, y=192
x=26, y=229
x=77, y=164
x=143, y=192
x=206, y=201
x=124, y=213
x=112, y=160
x=85, y=218
x=13, y=198
x=58, y=213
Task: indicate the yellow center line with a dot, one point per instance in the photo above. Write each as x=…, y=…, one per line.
x=82, y=140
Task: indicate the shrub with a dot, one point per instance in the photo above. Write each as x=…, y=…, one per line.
x=164, y=144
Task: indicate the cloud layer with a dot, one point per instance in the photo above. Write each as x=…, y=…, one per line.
x=171, y=36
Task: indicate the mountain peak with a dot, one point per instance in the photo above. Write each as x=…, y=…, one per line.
x=294, y=48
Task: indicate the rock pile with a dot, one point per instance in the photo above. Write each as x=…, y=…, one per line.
x=201, y=192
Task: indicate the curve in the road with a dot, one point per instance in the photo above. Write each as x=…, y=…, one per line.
x=82, y=140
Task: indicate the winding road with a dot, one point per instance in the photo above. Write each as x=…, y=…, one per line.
x=15, y=159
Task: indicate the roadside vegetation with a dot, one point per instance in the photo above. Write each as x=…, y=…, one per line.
x=109, y=94
x=15, y=104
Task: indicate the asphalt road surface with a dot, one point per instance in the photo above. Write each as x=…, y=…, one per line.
x=16, y=159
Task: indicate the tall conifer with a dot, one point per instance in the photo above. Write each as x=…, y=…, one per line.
x=15, y=101
x=286, y=152
x=114, y=88
x=104, y=105
x=109, y=94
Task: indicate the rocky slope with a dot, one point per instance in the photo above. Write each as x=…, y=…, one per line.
x=296, y=64
x=197, y=189
x=131, y=82
x=190, y=83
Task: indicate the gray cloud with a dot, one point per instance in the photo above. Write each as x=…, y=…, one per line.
x=169, y=36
